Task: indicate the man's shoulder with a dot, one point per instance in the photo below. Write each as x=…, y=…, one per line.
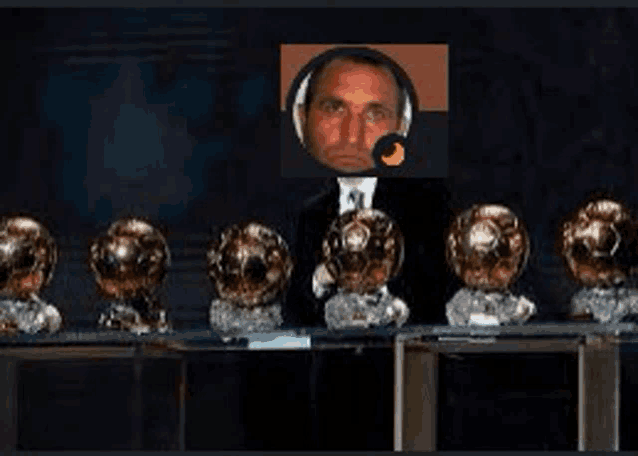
x=320, y=201
x=413, y=193
x=413, y=183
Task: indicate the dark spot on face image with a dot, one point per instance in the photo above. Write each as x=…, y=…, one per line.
x=351, y=103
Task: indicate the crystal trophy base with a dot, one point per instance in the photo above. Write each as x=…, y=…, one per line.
x=352, y=310
x=232, y=321
x=29, y=317
x=124, y=317
x=478, y=308
x=606, y=305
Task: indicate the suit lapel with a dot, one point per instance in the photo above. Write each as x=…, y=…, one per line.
x=382, y=198
x=325, y=208
x=331, y=207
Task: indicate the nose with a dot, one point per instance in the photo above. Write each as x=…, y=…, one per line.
x=354, y=127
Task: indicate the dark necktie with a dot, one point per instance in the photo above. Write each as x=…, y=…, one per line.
x=356, y=199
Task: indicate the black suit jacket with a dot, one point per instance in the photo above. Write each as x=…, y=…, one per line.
x=421, y=208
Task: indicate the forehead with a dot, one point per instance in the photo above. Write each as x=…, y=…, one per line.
x=362, y=82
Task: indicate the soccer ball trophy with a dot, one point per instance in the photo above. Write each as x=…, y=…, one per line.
x=250, y=267
x=362, y=252
x=28, y=255
x=129, y=264
x=594, y=242
x=487, y=246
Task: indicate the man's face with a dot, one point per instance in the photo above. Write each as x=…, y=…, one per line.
x=353, y=106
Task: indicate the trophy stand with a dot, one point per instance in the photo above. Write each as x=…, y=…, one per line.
x=362, y=251
x=250, y=267
x=129, y=264
x=596, y=243
x=28, y=255
x=488, y=246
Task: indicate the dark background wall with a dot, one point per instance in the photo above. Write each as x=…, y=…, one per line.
x=173, y=114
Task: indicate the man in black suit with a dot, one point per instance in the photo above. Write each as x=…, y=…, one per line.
x=353, y=104
x=419, y=207
x=352, y=395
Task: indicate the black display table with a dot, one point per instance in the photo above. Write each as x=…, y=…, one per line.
x=405, y=389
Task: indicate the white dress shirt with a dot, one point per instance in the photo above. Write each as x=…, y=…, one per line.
x=365, y=185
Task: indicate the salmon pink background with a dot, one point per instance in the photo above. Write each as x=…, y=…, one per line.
x=425, y=64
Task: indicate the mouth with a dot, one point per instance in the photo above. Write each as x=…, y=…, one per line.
x=349, y=160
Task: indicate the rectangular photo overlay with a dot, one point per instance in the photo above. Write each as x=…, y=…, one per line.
x=364, y=110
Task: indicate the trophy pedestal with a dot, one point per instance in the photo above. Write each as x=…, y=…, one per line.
x=124, y=317
x=351, y=310
x=29, y=316
x=232, y=321
x=606, y=305
x=475, y=307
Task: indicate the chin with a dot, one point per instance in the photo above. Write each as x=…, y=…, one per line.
x=348, y=170
x=351, y=169
x=352, y=166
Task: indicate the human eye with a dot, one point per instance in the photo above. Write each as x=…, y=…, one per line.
x=377, y=114
x=331, y=106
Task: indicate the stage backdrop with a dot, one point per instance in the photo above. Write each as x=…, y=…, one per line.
x=174, y=114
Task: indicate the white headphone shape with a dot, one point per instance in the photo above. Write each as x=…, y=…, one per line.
x=300, y=99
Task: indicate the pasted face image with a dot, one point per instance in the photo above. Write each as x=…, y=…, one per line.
x=353, y=106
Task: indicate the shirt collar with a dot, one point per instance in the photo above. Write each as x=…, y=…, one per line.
x=363, y=184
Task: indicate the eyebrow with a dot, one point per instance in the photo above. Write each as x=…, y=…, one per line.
x=371, y=105
x=380, y=105
x=323, y=98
